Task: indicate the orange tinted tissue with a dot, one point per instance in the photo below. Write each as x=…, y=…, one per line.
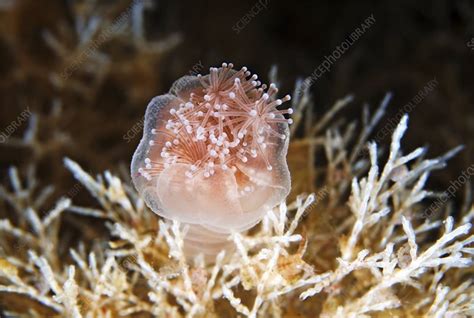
x=213, y=155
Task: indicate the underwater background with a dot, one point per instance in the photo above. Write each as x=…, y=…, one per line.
x=76, y=76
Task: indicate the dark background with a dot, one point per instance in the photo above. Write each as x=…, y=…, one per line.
x=411, y=43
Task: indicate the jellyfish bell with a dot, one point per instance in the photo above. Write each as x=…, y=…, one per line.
x=213, y=155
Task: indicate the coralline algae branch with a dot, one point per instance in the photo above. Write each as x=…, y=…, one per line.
x=382, y=260
x=213, y=155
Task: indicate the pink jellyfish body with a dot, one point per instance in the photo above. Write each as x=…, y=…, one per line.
x=213, y=155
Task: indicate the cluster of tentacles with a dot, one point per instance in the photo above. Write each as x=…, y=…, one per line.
x=222, y=120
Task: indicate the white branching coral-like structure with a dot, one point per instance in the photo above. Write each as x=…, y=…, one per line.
x=356, y=248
